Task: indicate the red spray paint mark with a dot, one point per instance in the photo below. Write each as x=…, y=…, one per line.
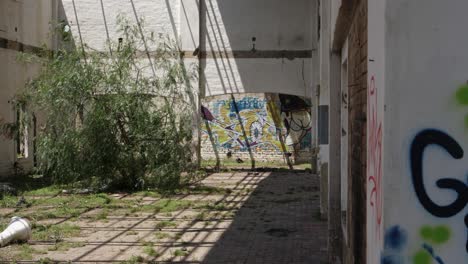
x=374, y=162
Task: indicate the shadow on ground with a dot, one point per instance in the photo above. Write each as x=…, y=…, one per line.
x=278, y=223
x=233, y=217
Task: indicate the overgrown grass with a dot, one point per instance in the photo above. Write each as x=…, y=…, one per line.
x=134, y=260
x=8, y=201
x=164, y=224
x=54, y=232
x=162, y=235
x=25, y=252
x=65, y=246
x=67, y=206
x=150, y=251
x=180, y=253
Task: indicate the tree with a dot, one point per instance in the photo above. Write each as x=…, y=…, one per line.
x=122, y=118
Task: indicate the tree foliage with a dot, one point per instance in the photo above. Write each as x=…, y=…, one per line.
x=120, y=118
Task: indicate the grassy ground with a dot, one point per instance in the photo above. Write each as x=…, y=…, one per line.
x=55, y=213
x=66, y=222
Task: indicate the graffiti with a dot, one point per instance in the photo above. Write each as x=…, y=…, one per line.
x=436, y=235
x=395, y=240
x=291, y=120
x=462, y=98
x=295, y=113
x=425, y=255
x=375, y=155
x=420, y=143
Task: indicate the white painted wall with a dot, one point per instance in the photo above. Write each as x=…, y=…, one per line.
x=26, y=22
x=423, y=64
x=162, y=16
x=277, y=25
x=258, y=75
x=376, y=90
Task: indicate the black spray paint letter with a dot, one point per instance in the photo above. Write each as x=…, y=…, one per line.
x=421, y=141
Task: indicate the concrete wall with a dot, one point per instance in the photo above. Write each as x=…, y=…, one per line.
x=228, y=65
x=94, y=20
x=271, y=127
x=425, y=132
x=376, y=126
x=257, y=46
x=23, y=26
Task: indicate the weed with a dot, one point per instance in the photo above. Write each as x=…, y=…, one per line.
x=54, y=232
x=180, y=253
x=201, y=216
x=178, y=235
x=162, y=235
x=46, y=261
x=26, y=252
x=164, y=224
x=102, y=215
x=150, y=251
x=135, y=260
x=132, y=233
x=64, y=246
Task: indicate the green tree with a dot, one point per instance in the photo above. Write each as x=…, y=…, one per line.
x=121, y=118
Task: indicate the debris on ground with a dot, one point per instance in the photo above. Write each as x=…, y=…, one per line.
x=19, y=229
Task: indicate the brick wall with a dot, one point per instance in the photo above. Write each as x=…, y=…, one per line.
x=357, y=78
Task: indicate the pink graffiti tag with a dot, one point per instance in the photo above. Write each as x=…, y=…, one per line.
x=374, y=165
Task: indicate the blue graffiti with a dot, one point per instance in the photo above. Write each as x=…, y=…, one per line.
x=431, y=252
x=395, y=240
x=247, y=103
x=392, y=259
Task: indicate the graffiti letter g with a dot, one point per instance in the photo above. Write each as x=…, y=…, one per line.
x=420, y=142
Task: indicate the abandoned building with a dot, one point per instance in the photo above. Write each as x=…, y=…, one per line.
x=372, y=93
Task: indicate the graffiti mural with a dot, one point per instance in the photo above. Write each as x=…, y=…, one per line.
x=271, y=125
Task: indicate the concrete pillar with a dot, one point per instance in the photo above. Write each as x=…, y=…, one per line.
x=334, y=168
x=315, y=81
x=323, y=105
x=190, y=39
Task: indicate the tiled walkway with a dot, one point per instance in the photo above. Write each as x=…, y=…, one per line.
x=278, y=223
x=263, y=217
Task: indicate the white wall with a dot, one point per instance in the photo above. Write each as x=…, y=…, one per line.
x=277, y=25
x=376, y=90
x=162, y=16
x=26, y=22
x=258, y=75
x=424, y=66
